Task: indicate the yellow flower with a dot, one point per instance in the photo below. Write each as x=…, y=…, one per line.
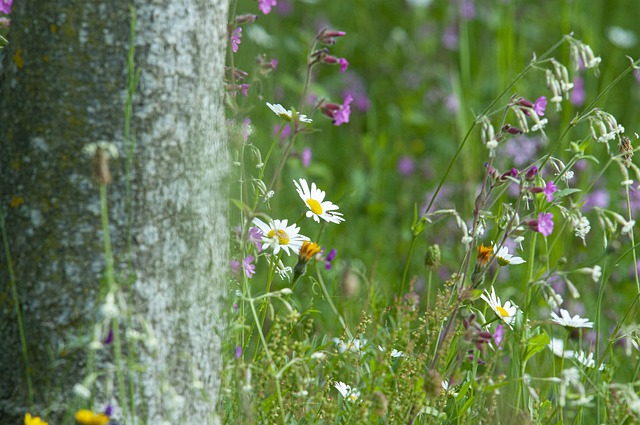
x=308, y=251
x=87, y=417
x=28, y=420
x=484, y=254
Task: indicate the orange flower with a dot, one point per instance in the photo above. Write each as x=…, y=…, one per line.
x=484, y=254
x=308, y=251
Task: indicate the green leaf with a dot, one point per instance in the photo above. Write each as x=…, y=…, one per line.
x=535, y=345
x=241, y=205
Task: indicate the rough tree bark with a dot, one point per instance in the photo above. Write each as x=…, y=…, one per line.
x=63, y=85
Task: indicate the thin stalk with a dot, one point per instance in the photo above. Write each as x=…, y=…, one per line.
x=16, y=305
x=111, y=285
x=333, y=307
x=408, y=263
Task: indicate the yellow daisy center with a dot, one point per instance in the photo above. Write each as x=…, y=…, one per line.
x=283, y=238
x=315, y=206
x=502, y=311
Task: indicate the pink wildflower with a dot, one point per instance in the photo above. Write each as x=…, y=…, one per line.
x=274, y=63
x=344, y=64
x=578, y=94
x=249, y=269
x=549, y=190
x=255, y=237
x=543, y=225
x=5, y=6
x=266, y=5
x=540, y=105
x=342, y=116
x=306, y=157
x=235, y=39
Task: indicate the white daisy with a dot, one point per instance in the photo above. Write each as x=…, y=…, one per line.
x=318, y=207
x=280, y=236
x=351, y=394
x=565, y=319
x=506, y=312
x=287, y=115
x=504, y=258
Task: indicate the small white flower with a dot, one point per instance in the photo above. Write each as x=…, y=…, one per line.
x=492, y=145
x=351, y=394
x=318, y=355
x=506, y=312
x=504, y=258
x=354, y=345
x=109, y=308
x=556, y=346
x=82, y=391
x=395, y=353
x=280, y=236
x=628, y=226
x=540, y=125
x=448, y=389
x=318, y=207
x=287, y=115
x=582, y=227
x=565, y=319
x=596, y=273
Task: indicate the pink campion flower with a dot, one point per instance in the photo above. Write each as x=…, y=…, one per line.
x=543, y=225
x=235, y=39
x=274, y=63
x=247, y=266
x=306, y=157
x=540, y=105
x=5, y=6
x=266, y=5
x=342, y=116
x=549, y=190
x=344, y=64
x=246, y=128
x=286, y=131
x=244, y=88
x=498, y=335
x=234, y=265
x=255, y=237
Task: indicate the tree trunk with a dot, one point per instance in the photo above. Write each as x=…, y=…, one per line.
x=64, y=85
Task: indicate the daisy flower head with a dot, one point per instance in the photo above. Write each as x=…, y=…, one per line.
x=287, y=115
x=506, y=312
x=318, y=207
x=351, y=394
x=504, y=258
x=565, y=319
x=279, y=235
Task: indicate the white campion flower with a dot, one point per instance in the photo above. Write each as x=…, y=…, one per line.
x=506, y=312
x=565, y=319
x=351, y=394
x=314, y=200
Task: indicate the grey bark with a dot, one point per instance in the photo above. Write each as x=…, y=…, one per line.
x=63, y=85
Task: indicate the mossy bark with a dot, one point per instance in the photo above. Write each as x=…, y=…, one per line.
x=63, y=85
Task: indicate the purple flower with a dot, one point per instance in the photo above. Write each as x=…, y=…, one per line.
x=274, y=63
x=498, y=335
x=245, y=89
x=286, y=131
x=235, y=39
x=406, y=165
x=598, y=198
x=255, y=237
x=467, y=10
x=5, y=6
x=544, y=224
x=549, y=190
x=109, y=338
x=342, y=116
x=344, y=64
x=266, y=5
x=246, y=128
x=450, y=37
x=540, y=105
x=238, y=352
x=234, y=265
x=249, y=269
x=578, y=94
x=330, y=257
x=306, y=156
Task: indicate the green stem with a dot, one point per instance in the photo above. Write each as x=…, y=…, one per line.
x=407, y=263
x=16, y=304
x=333, y=307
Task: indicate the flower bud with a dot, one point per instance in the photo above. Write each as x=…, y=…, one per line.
x=432, y=257
x=531, y=173
x=247, y=18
